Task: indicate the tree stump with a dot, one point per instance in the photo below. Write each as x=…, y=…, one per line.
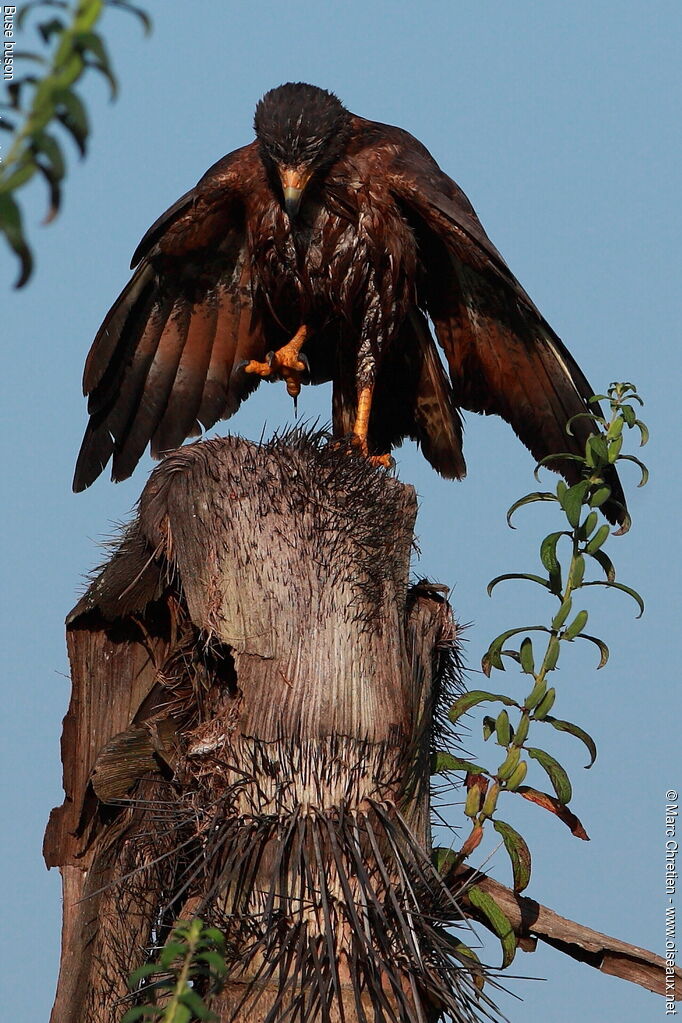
x=249, y=738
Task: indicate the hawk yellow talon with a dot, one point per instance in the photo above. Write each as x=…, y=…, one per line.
x=360, y=444
x=284, y=363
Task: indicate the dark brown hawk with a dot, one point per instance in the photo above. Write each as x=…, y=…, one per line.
x=341, y=236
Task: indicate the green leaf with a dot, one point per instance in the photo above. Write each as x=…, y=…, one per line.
x=44, y=144
x=25, y=9
x=493, y=656
x=513, y=655
x=517, y=776
x=599, y=538
x=488, y=727
x=473, y=698
x=585, y=415
x=573, y=501
x=603, y=649
x=178, y=1014
x=519, y=854
x=460, y=948
x=490, y=800
x=521, y=731
x=442, y=762
x=11, y=227
x=615, y=428
x=625, y=589
x=517, y=575
x=644, y=432
x=213, y=935
x=596, y=451
x=589, y=525
x=18, y=177
x=497, y=920
x=548, y=557
x=599, y=496
x=472, y=803
x=576, y=626
x=577, y=572
x=642, y=467
x=48, y=28
x=620, y=388
x=603, y=559
x=629, y=415
x=142, y=1012
x=172, y=950
x=579, y=733
x=537, y=693
x=444, y=859
x=71, y=112
x=552, y=654
x=503, y=729
x=137, y=11
x=148, y=970
x=90, y=43
x=563, y=613
x=557, y=775
x=509, y=764
x=34, y=58
x=214, y=960
x=615, y=449
x=528, y=499
x=545, y=705
x=526, y=656
x=191, y=999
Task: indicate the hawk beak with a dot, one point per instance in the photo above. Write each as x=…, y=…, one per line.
x=294, y=180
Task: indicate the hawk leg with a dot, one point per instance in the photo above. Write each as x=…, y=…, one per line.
x=286, y=363
x=361, y=427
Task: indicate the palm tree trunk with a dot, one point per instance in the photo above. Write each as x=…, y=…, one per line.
x=249, y=740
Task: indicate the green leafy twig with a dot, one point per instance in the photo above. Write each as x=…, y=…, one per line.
x=34, y=105
x=565, y=555
x=193, y=957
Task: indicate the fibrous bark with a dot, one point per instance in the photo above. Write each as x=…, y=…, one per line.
x=248, y=740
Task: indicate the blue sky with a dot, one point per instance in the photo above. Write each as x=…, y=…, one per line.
x=561, y=122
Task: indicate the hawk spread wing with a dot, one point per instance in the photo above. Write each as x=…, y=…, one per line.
x=163, y=362
x=502, y=355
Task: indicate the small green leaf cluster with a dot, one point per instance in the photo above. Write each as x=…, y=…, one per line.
x=194, y=954
x=36, y=104
x=565, y=555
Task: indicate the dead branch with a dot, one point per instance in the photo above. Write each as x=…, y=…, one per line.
x=532, y=922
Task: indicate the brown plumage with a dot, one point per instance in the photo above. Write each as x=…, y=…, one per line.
x=349, y=228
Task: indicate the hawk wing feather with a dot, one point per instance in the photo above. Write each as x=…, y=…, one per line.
x=414, y=399
x=503, y=357
x=163, y=362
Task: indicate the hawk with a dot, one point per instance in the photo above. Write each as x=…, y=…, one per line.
x=326, y=249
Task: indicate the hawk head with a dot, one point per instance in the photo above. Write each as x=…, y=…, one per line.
x=302, y=130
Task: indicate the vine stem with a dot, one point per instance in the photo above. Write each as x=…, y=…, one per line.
x=488, y=798
x=193, y=936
